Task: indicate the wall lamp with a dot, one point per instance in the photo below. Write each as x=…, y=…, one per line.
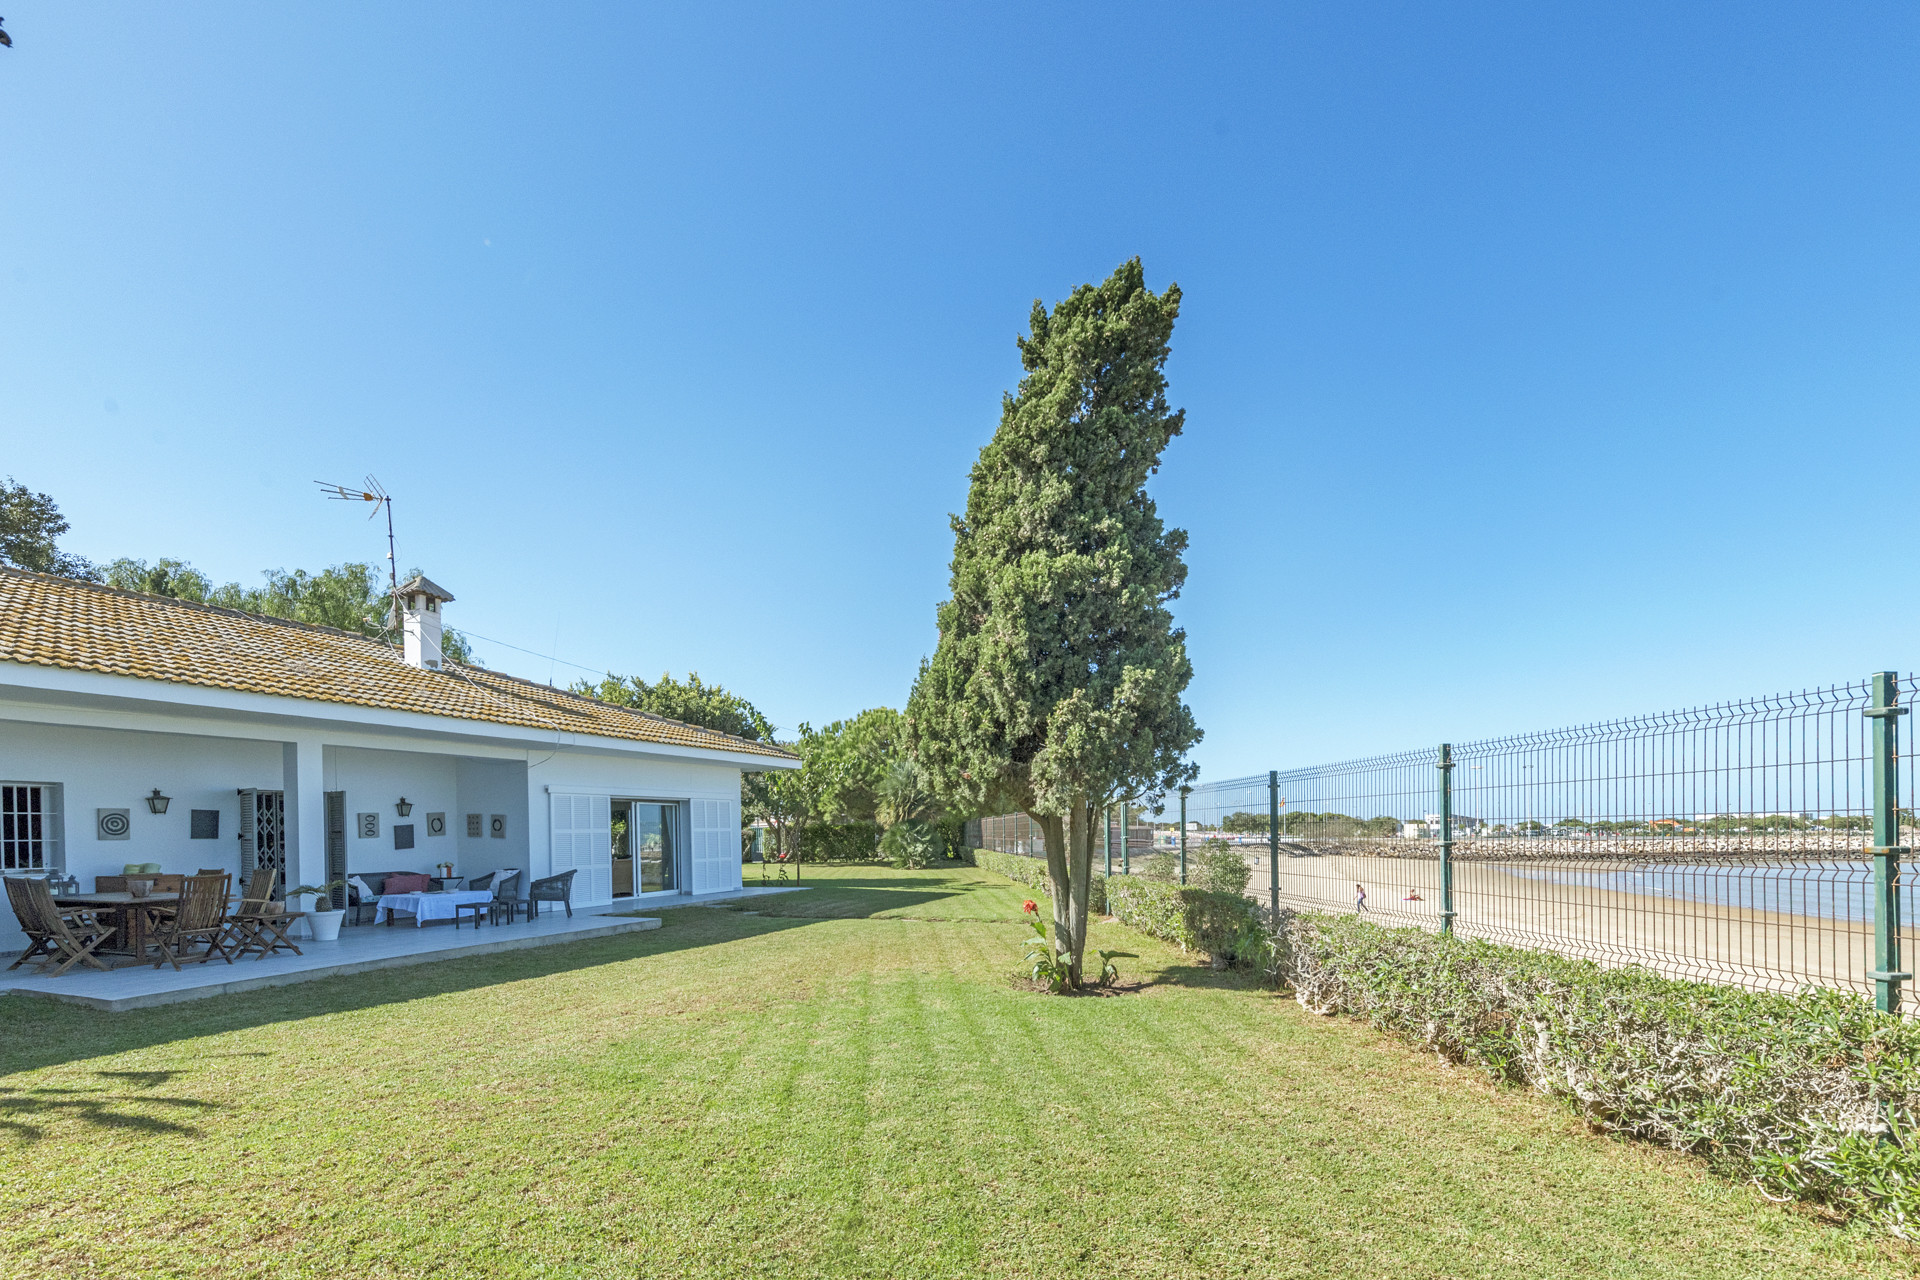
x=157, y=803
x=403, y=808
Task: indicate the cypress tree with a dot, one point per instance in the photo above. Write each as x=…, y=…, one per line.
x=1056, y=685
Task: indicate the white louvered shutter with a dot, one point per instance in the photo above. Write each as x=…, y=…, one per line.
x=716, y=845
x=583, y=843
x=561, y=849
x=594, y=884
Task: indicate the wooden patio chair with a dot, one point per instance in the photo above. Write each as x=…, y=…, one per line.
x=200, y=916
x=260, y=923
x=67, y=934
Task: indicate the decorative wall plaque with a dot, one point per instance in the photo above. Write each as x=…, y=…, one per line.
x=369, y=826
x=403, y=835
x=476, y=826
x=112, y=824
x=436, y=824
x=497, y=826
x=206, y=824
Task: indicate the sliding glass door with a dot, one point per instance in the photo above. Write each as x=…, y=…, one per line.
x=645, y=851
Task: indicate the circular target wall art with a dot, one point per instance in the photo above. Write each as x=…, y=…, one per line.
x=112, y=824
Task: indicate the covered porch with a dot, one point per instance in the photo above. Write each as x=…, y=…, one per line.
x=138, y=986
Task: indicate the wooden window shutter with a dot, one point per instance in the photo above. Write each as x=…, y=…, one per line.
x=249, y=847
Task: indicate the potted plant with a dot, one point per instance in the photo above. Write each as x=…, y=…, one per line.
x=323, y=920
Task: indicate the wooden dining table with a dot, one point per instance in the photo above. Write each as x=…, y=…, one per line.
x=130, y=918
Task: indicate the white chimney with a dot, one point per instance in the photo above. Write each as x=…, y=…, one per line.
x=420, y=602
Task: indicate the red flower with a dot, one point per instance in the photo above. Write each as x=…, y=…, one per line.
x=1029, y=908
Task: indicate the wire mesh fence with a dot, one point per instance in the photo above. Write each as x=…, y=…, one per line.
x=1732, y=843
x=1126, y=839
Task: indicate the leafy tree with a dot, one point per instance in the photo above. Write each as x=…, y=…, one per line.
x=30, y=524
x=1055, y=687
x=175, y=578
x=689, y=701
x=856, y=758
x=1244, y=822
x=789, y=800
x=350, y=597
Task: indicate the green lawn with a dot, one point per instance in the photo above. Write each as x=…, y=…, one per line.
x=849, y=1083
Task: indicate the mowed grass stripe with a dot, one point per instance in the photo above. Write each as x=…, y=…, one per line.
x=864, y=1093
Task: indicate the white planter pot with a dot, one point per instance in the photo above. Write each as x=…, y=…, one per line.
x=325, y=925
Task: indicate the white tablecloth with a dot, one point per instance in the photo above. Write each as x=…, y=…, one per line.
x=427, y=906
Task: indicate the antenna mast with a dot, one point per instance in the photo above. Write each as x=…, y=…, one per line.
x=382, y=500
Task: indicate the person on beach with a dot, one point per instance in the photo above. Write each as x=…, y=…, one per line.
x=1360, y=897
x=1413, y=895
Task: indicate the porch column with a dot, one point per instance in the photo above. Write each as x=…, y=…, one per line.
x=306, y=813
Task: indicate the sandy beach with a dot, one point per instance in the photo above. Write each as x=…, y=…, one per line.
x=1509, y=902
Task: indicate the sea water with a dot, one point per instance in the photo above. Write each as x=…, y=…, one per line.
x=1829, y=890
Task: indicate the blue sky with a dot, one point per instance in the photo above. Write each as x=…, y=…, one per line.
x=1542, y=364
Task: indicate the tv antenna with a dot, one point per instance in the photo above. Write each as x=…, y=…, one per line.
x=382, y=501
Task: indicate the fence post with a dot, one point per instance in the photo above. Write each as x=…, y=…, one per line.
x=1886, y=850
x=1183, y=833
x=1106, y=837
x=1273, y=843
x=1126, y=860
x=1446, y=837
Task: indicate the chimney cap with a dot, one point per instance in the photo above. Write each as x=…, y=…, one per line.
x=420, y=584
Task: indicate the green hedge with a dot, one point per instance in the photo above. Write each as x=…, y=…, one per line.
x=840, y=842
x=1814, y=1095
x=1032, y=872
x=1224, y=925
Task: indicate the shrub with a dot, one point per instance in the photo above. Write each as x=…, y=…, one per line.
x=1032, y=872
x=1810, y=1095
x=1224, y=925
x=840, y=842
x=1161, y=866
x=1220, y=867
x=912, y=843
x=1214, y=865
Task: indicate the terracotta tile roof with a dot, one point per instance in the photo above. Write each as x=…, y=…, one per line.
x=58, y=622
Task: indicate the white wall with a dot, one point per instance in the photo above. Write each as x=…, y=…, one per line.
x=490, y=787
x=373, y=782
x=116, y=769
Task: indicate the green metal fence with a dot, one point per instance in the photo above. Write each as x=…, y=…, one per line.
x=1758, y=842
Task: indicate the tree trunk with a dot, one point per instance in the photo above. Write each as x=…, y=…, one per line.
x=1060, y=884
x=1080, y=868
x=1069, y=866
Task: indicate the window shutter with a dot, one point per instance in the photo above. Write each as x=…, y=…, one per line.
x=716, y=845
x=337, y=844
x=249, y=850
x=583, y=843
x=596, y=860
x=562, y=847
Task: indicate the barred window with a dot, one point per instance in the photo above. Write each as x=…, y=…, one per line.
x=29, y=827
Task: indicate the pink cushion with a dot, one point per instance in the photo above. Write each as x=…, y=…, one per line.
x=406, y=884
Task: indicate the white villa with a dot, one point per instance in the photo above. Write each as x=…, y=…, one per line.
x=141, y=729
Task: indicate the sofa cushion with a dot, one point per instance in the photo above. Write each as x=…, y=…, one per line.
x=406, y=882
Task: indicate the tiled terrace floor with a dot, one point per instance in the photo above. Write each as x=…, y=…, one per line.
x=358, y=949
